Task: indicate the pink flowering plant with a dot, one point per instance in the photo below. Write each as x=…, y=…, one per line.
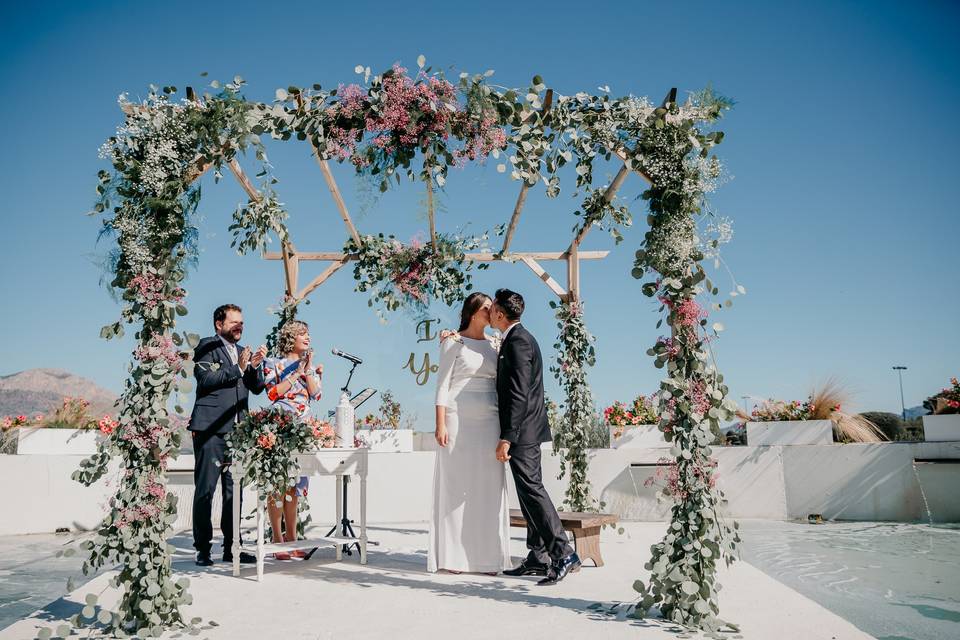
x=400, y=276
x=641, y=411
x=385, y=124
x=783, y=410
x=947, y=401
x=266, y=443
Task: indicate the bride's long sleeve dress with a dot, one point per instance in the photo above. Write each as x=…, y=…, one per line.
x=470, y=523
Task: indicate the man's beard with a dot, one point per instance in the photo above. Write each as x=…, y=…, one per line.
x=232, y=336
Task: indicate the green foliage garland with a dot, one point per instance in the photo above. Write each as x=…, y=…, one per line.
x=575, y=352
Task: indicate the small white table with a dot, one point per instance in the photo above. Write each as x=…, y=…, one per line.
x=326, y=462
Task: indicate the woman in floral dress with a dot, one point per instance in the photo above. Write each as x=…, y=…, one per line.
x=292, y=382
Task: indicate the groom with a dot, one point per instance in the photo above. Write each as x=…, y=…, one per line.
x=523, y=427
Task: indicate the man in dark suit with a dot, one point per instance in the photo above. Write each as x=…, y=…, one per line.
x=226, y=373
x=523, y=427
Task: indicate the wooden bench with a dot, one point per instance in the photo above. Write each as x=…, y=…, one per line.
x=585, y=528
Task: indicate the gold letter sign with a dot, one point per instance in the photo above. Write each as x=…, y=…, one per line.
x=423, y=373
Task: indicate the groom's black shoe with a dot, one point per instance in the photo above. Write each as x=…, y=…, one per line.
x=560, y=569
x=245, y=558
x=527, y=568
x=204, y=560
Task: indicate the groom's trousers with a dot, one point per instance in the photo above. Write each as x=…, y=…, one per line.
x=546, y=539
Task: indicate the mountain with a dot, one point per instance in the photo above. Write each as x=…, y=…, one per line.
x=42, y=390
x=916, y=412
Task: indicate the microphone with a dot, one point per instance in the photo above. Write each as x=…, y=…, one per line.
x=352, y=358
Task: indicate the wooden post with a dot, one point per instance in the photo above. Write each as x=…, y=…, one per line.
x=522, y=198
x=291, y=267
x=433, y=224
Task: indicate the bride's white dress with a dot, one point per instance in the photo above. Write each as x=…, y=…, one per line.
x=470, y=523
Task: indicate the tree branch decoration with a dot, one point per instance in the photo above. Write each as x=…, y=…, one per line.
x=381, y=127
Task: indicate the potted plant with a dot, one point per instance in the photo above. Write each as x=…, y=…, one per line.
x=69, y=430
x=944, y=422
x=382, y=431
x=817, y=420
x=633, y=425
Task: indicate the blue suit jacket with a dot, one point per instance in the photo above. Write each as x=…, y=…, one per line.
x=222, y=389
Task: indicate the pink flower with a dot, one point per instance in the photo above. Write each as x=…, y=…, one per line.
x=267, y=440
x=689, y=313
x=107, y=425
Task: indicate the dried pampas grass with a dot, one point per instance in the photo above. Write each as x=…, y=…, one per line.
x=827, y=400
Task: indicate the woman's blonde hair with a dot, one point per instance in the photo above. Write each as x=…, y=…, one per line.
x=288, y=335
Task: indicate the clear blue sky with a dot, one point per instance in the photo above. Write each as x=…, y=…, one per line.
x=843, y=147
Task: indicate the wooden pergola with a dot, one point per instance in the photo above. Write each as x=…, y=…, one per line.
x=291, y=257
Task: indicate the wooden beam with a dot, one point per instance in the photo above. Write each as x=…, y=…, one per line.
x=573, y=273
x=608, y=197
x=522, y=198
x=331, y=183
x=543, y=275
x=336, y=256
x=320, y=279
x=517, y=208
x=622, y=154
x=337, y=198
x=244, y=181
x=433, y=224
x=291, y=267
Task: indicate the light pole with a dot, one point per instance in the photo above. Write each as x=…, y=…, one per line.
x=745, y=409
x=903, y=407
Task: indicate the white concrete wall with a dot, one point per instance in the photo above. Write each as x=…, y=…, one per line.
x=848, y=482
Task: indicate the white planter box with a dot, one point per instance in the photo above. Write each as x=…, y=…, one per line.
x=789, y=432
x=46, y=441
x=391, y=440
x=641, y=435
x=943, y=428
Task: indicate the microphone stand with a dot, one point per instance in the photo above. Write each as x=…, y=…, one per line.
x=346, y=524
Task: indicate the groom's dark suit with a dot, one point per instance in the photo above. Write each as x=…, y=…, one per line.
x=222, y=391
x=523, y=422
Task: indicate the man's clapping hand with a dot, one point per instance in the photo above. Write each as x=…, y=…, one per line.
x=244, y=359
x=257, y=358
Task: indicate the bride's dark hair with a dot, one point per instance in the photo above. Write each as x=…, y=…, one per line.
x=471, y=305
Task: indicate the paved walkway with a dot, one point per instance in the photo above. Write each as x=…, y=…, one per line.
x=394, y=597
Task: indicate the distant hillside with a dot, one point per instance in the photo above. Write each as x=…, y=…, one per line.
x=42, y=390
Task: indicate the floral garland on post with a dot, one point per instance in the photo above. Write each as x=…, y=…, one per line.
x=693, y=398
x=150, y=198
x=409, y=276
x=575, y=352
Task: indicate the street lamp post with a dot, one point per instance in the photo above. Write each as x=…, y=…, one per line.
x=903, y=407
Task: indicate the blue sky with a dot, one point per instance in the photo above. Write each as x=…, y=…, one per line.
x=842, y=148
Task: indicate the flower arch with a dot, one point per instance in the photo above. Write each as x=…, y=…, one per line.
x=390, y=125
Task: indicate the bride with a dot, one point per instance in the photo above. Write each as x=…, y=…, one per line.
x=470, y=525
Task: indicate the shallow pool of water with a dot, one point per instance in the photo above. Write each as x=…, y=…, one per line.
x=31, y=574
x=895, y=581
